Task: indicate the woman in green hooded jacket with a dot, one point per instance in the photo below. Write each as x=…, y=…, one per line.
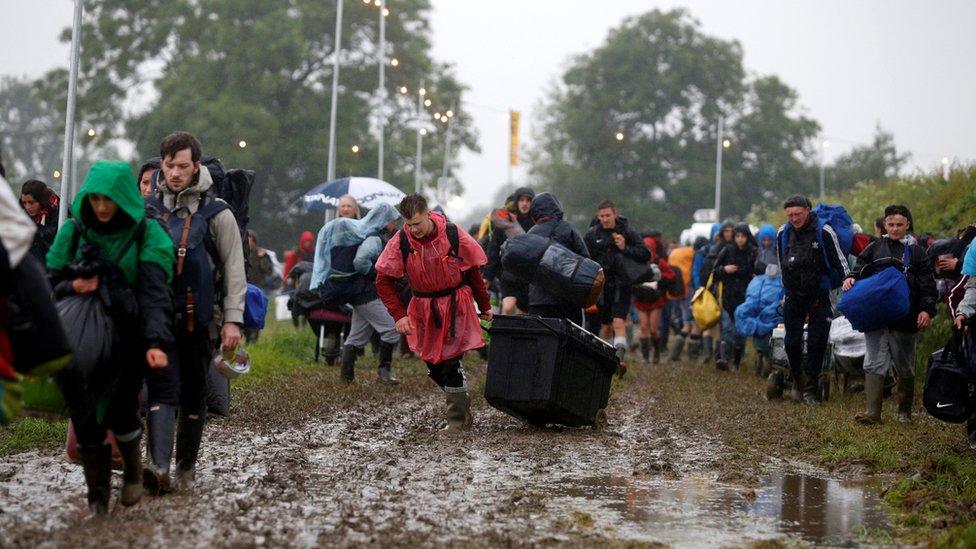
x=109, y=246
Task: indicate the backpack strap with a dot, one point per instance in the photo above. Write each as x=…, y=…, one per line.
x=452, y=237
x=405, y=248
x=181, y=246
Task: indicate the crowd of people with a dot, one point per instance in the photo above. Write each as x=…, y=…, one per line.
x=167, y=261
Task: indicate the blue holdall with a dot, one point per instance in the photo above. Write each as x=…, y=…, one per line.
x=255, y=308
x=879, y=300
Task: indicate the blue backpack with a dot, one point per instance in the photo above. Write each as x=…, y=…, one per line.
x=879, y=300
x=840, y=221
x=255, y=308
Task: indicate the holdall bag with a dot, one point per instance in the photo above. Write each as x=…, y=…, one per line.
x=950, y=383
x=705, y=306
x=255, y=307
x=633, y=272
x=879, y=300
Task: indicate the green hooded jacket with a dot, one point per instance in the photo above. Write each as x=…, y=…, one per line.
x=113, y=179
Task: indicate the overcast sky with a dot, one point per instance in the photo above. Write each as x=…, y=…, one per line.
x=906, y=64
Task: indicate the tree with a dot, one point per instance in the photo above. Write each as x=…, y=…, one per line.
x=636, y=119
x=260, y=72
x=876, y=162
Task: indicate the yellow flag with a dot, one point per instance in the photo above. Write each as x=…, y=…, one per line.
x=513, y=154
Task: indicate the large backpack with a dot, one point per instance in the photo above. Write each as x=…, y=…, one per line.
x=840, y=221
x=950, y=384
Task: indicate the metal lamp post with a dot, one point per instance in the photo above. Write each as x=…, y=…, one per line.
x=67, y=161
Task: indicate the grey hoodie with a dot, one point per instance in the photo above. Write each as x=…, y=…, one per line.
x=227, y=237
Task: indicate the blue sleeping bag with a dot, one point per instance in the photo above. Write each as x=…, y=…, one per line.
x=760, y=312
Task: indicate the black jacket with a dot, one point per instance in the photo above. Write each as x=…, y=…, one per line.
x=548, y=213
x=734, y=284
x=885, y=253
x=493, y=249
x=603, y=250
x=801, y=261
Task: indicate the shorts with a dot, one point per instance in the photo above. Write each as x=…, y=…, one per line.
x=615, y=303
x=517, y=289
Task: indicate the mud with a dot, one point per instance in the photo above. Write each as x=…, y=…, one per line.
x=305, y=461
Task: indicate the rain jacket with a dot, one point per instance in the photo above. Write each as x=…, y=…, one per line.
x=767, y=254
x=305, y=252
x=345, y=252
x=227, y=238
x=506, y=222
x=655, y=244
x=547, y=212
x=445, y=326
x=885, y=253
x=760, y=312
x=683, y=258
x=147, y=265
x=603, y=250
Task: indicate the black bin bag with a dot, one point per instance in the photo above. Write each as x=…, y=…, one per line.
x=541, y=261
x=91, y=332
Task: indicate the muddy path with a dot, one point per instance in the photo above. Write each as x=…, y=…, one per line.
x=305, y=461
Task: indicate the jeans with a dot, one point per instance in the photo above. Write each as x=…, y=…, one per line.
x=815, y=311
x=184, y=382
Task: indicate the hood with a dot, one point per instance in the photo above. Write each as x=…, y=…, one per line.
x=766, y=231
x=378, y=218
x=113, y=179
x=511, y=202
x=716, y=227
x=306, y=242
x=188, y=197
x=151, y=164
x=743, y=228
x=546, y=205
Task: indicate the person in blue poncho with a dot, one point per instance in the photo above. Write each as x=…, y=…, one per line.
x=344, y=272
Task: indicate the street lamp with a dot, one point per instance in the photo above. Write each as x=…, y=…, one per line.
x=823, y=168
x=619, y=136
x=355, y=149
x=427, y=103
x=726, y=143
x=91, y=132
x=945, y=168
x=403, y=90
x=242, y=143
x=57, y=174
x=394, y=62
x=720, y=143
x=421, y=132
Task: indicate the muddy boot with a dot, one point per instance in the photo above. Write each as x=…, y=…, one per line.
x=738, y=351
x=188, y=440
x=131, y=469
x=96, y=462
x=347, y=364
x=906, y=397
x=458, y=410
x=161, y=428
x=722, y=360
x=707, y=350
x=621, y=352
x=796, y=391
x=674, y=349
x=657, y=343
x=384, y=372
x=873, y=387
x=645, y=349
x=694, y=348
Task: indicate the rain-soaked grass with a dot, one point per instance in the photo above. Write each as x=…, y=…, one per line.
x=31, y=433
x=929, y=470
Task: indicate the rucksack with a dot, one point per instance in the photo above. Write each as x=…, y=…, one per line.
x=950, y=383
x=840, y=221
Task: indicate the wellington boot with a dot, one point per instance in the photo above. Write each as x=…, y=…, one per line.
x=645, y=349
x=657, y=343
x=873, y=387
x=722, y=358
x=707, y=350
x=161, y=429
x=458, y=410
x=906, y=397
x=621, y=353
x=188, y=440
x=694, y=348
x=796, y=391
x=347, y=364
x=96, y=462
x=738, y=351
x=384, y=372
x=675, y=347
x=131, y=470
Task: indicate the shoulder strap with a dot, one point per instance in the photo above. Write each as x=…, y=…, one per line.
x=136, y=235
x=405, y=248
x=453, y=238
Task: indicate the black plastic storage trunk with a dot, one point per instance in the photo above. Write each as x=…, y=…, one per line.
x=546, y=370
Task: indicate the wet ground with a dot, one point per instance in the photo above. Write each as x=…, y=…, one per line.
x=307, y=462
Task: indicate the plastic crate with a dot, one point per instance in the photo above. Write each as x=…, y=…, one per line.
x=546, y=370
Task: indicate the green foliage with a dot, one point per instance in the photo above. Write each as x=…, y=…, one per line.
x=662, y=83
x=258, y=71
x=878, y=161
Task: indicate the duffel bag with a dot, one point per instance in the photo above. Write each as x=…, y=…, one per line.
x=633, y=272
x=705, y=306
x=255, y=307
x=576, y=279
x=879, y=300
x=950, y=384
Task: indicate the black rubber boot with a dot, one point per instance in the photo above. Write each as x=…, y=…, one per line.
x=657, y=343
x=906, y=397
x=722, y=362
x=188, y=440
x=737, y=352
x=707, y=350
x=694, y=347
x=645, y=349
x=96, y=461
x=161, y=427
x=384, y=372
x=131, y=470
x=347, y=365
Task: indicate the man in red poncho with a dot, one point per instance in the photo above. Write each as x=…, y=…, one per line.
x=443, y=266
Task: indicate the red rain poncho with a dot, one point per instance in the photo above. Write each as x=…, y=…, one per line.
x=432, y=269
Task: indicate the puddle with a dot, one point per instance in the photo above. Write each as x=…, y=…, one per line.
x=697, y=510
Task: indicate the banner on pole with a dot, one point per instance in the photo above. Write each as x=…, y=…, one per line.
x=513, y=153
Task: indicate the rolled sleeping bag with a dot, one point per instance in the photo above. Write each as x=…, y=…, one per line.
x=541, y=261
